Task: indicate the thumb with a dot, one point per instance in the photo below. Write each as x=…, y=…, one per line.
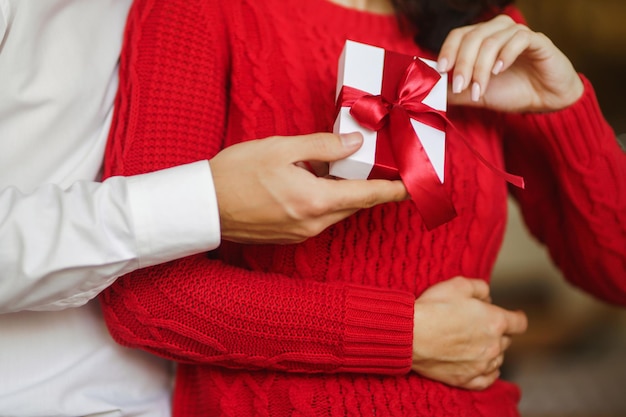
x=325, y=147
x=516, y=322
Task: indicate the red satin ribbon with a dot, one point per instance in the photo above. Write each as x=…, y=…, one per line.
x=392, y=121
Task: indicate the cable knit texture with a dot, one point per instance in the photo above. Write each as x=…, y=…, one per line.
x=324, y=328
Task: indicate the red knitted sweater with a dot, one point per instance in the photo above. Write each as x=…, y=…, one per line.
x=324, y=328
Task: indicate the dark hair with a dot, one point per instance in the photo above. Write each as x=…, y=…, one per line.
x=432, y=20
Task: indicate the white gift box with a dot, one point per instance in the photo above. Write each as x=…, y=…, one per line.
x=362, y=67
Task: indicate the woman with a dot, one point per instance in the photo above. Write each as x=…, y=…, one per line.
x=331, y=326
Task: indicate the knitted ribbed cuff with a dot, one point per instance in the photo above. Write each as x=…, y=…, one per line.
x=578, y=133
x=379, y=331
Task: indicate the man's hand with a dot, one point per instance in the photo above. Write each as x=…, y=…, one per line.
x=265, y=196
x=459, y=337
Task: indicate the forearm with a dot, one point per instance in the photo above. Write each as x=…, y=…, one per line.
x=575, y=200
x=202, y=311
x=60, y=248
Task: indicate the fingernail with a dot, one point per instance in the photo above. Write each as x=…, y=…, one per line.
x=457, y=84
x=497, y=67
x=350, y=140
x=442, y=65
x=475, y=91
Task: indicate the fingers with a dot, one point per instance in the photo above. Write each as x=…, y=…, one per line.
x=482, y=377
x=481, y=51
x=490, y=374
x=329, y=201
x=358, y=194
x=340, y=195
x=490, y=59
x=482, y=382
x=495, y=364
x=325, y=147
x=462, y=46
x=505, y=342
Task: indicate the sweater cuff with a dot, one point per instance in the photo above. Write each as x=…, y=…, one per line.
x=578, y=133
x=379, y=331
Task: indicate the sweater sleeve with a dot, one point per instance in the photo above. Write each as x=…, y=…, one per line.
x=171, y=109
x=575, y=201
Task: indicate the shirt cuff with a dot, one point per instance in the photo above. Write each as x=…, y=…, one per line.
x=174, y=212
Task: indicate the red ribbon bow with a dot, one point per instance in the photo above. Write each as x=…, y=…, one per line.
x=392, y=121
x=391, y=118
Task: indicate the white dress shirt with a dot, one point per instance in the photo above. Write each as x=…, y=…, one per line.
x=63, y=236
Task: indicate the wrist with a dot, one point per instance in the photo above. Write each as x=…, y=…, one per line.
x=573, y=93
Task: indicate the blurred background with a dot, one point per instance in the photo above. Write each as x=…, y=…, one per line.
x=572, y=361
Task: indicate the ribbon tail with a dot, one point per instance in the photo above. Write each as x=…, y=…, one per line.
x=417, y=172
x=516, y=180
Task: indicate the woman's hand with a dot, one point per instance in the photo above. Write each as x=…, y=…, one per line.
x=505, y=66
x=459, y=337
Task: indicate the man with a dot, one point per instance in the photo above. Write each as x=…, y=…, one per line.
x=64, y=236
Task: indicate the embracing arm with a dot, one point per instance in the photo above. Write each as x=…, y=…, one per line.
x=200, y=310
x=203, y=311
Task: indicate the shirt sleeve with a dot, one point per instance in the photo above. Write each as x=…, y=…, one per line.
x=60, y=248
x=575, y=196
